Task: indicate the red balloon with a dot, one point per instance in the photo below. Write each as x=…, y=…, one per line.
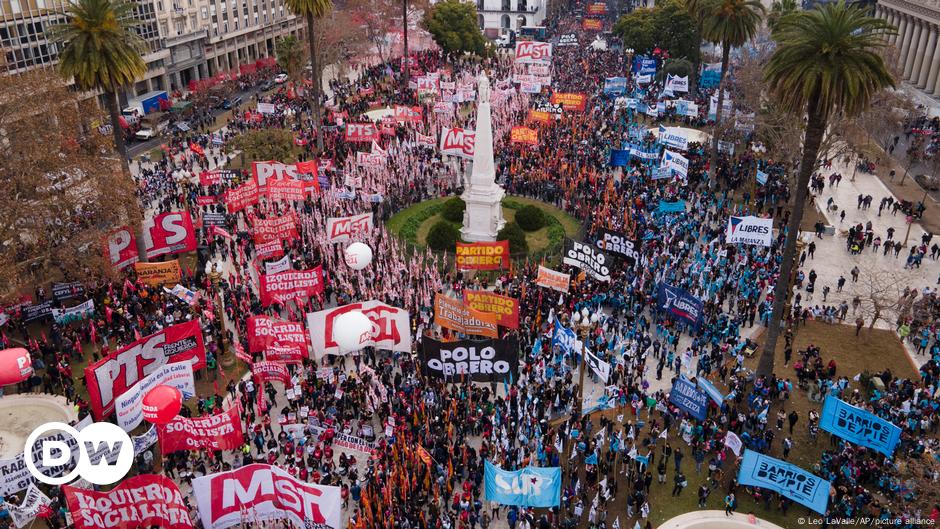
x=161, y=404
x=15, y=366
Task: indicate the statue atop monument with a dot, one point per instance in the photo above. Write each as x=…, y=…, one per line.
x=483, y=217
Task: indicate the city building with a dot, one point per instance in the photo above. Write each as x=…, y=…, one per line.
x=187, y=40
x=918, y=22
x=498, y=17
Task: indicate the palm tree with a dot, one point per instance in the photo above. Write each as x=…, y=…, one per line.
x=731, y=23
x=826, y=63
x=697, y=9
x=313, y=10
x=101, y=51
x=290, y=56
x=780, y=9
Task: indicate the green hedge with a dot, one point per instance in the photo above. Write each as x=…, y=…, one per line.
x=516, y=237
x=556, y=232
x=443, y=236
x=453, y=209
x=530, y=218
x=409, y=231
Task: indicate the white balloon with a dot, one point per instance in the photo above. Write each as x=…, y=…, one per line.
x=351, y=329
x=357, y=255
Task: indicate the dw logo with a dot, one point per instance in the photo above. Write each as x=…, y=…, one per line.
x=105, y=453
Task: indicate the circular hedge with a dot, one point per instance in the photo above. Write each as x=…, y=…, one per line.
x=513, y=233
x=453, y=209
x=530, y=218
x=443, y=236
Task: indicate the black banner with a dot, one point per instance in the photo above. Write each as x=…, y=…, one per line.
x=211, y=218
x=481, y=360
x=547, y=106
x=568, y=39
x=63, y=291
x=35, y=312
x=617, y=243
x=593, y=261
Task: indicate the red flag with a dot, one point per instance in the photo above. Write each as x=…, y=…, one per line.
x=424, y=455
x=197, y=149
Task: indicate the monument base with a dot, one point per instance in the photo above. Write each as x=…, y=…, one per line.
x=483, y=217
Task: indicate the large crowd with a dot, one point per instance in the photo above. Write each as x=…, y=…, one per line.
x=427, y=439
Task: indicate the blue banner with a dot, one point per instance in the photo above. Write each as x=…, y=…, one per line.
x=565, y=338
x=689, y=398
x=758, y=470
x=680, y=304
x=671, y=207
x=761, y=177
x=619, y=157
x=643, y=65
x=529, y=487
x=615, y=86
x=859, y=426
x=711, y=390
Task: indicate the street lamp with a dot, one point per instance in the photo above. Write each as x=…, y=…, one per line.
x=214, y=272
x=583, y=322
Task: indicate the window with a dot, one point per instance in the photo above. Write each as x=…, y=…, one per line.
x=522, y=5
x=507, y=6
x=193, y=24
x=236, y=24
x=225, y=27
x=164, y=28
x=205, y=13
x=15, y=7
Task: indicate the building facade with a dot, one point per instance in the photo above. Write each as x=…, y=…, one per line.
x=497, y=17
x=918, y=39
x=187, y=40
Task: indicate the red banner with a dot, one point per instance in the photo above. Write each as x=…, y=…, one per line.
x=242, y=196
x=264, y=172
x=214, y=432
x=540, y=117
x=524, y=135
x=208, y=178
x=458, y=142
x=592, y=24
x=285, y=354
x=141, y=501
x=286, y=190
x=405, y=114
x=120, y=248
x=264, y=332
x=274, y=229
x=269, y=250
x=362, y=132
x=529, y=51
x=597, y=8
x=285, y=286
x=110, y=377
x=569, y=101
x=206, y=200
x=505, y=308
x=270, y=372
x=483, y=255
x=168, y=233
x=391, y=327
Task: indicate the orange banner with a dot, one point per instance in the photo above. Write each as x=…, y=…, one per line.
x=483, y=255
x=167, y=273
x=597, y=8
x=505, y=308
x=524, y=135
x=591, y=24
x=569, y=101
x=452, y=314
x=540, y=117
x=549, y=278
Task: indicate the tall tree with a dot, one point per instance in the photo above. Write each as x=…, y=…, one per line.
x=731, y=23
x=290, y=56
x=780, y=9
x=313, y=10
x=61, y=198
x=697, y=9
x=453, y=24
x=827, y=62
x=101, y=51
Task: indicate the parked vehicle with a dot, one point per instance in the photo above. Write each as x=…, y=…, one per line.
x=145, y=104
x=280, y=78
x=145, y=134
x=928, y=182
x=266, y=85
x=229, y=104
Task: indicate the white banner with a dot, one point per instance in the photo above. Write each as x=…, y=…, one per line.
x=530, y=88
x=343, y=229
x=257, y=493
x=673, y=138
x=26, y=512
x=600, y=367
x=281, y=265
x=63, y=316
x=391, y=327
x=750, y=230
x=129, y=406
x=145, y=440
x=458, y=142
x=266, y=108
x=676, y=83
x=14, y=476
x=676, y=162
x=733, y=442
x=530, y=51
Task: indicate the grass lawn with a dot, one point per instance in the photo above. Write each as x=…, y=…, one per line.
x=872, y=351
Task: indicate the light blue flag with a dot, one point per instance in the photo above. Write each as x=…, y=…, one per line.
x=565, y=338
x=671, y=207
x=761, y=177
x=784, y=478
x=712, y=391
x=591, y=459
x=537, y=347
x=859, y=426
x=529, y=487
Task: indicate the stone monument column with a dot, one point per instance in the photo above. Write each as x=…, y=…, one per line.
x=483, y=217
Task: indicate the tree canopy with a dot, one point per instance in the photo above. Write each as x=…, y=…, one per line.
x=453, y=24
x=668, y=26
